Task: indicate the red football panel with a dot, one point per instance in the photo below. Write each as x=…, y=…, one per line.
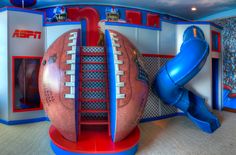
x=129, y=109
x=52, y=79
x=133, y=17
x=153, y=20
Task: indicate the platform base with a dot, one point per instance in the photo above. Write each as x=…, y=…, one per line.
x=94, y=142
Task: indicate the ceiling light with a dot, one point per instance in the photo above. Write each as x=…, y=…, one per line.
x=194, y=8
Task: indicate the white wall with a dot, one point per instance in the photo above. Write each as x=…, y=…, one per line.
x=52, y=32
x=201, y=84
x=150, y=41
x=168, y=39
x=146, y=40
x=23, y=47
x=3, y=67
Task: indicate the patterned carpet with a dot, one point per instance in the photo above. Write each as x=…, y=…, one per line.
x=176, y=136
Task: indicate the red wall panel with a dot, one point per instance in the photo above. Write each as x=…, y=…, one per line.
x=153, y=20
x=133, y=17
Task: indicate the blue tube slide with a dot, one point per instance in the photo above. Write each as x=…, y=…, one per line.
x=171, y=78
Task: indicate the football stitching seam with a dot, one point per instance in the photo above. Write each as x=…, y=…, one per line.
x=117, y=62
x=71, y=62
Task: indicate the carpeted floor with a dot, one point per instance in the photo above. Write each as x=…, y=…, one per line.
x=174, y=136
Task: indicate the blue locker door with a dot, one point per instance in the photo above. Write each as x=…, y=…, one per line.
x=215, y=83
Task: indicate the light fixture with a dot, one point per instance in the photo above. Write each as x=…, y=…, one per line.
x=193, y=8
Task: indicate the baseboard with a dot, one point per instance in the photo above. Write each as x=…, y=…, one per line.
x=26, y=121
x=161, y=117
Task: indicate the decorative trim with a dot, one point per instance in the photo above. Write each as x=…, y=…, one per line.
x=60, y=23
x=112, y=83
x=25, y=121
x=161, y=21
x=59, y=151
x=218, y=41
x=11, y=8
x=215, y=55
x=47, y=119
x=32, y=4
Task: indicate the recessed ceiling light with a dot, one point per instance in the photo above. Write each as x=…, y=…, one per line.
x=193, y=8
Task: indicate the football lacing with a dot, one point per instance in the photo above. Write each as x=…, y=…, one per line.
x=71, y=62
x=117, y=62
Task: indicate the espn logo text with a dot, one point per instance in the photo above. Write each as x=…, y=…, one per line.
x=26, y=34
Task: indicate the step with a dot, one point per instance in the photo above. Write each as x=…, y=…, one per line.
x=94, y=106
x=93, y=54
x=93, y=100
x=93, y=80
x=94, y=122
x=93, y=89
x=93, y=111
x=92, y=49
x=92, y=62
x=102, y=71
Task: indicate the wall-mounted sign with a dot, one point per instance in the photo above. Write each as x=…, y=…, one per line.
x=26, y=34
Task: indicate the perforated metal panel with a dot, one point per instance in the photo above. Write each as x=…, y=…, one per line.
x=93, y=67
x=94, y=116
x=93, y=59
x=155, y=107
x=93, y=95
x=93, y=106
x=93, y=49
x=93, y=75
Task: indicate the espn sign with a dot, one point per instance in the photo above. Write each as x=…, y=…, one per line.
x=26, y=34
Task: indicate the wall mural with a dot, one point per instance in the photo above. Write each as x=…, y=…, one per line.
x=229, y=60
x=60, y=13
